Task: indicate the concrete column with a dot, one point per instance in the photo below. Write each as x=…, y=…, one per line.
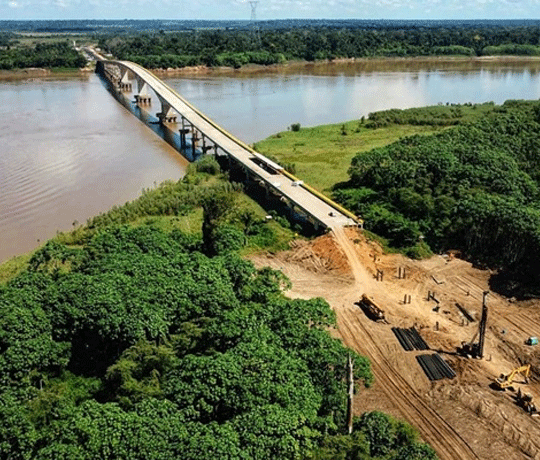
x=125, y=82
x=167, y=114
x=144, y=92
x=194, y=140
x=183, y=133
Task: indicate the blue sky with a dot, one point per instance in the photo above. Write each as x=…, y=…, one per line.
x=269, y=9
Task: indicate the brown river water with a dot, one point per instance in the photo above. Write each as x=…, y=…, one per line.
x=69, y=150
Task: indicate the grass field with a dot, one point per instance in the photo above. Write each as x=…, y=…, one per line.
x=323, y=154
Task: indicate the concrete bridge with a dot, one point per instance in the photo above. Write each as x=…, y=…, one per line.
x=200, y=134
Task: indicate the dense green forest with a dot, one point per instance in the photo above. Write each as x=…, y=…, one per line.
x=237, y=47
x=129, y=338
x=473, y=187
x=47, y=55
x=5, y=39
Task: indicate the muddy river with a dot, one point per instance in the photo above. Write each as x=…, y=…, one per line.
x=69, y=150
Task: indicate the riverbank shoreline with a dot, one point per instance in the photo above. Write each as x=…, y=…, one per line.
x=297, y=65
x=35, y=73
x=253, y=69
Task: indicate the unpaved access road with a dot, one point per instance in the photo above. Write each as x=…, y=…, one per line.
x=461, y=418
x=433, y=428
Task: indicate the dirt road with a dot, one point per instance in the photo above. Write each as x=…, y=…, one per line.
x=434, y=430
x=461, y=418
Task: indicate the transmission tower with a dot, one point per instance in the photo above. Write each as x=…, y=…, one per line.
x=253, y=4
x=253, y=22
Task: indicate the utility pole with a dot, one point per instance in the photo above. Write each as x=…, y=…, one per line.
x=483, y=323
x=350, y=396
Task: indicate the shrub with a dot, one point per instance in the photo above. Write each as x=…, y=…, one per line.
x=208, y=164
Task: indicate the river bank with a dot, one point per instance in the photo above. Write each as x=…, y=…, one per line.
x=39, y=73
x=294, y=66
x=322, y=155
x=367, y=64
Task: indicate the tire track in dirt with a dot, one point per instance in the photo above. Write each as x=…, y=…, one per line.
x=448, y=444
x=446, y=441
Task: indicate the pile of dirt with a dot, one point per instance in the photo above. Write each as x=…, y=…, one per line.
x=319, y=255
x=463, y=417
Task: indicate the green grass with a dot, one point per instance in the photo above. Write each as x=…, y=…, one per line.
x=12, y=267
x=322, y=154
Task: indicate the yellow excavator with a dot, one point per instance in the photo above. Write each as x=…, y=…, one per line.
x=505, y=381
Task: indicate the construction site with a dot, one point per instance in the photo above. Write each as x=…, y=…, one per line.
x=457, y=361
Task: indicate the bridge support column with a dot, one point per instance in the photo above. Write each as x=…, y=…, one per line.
x=144, y=95
x=205, y=148
x=143, y=99
x=183, y=132
x=125, y=82
x=183, y=143
x=167, y=115
x=194, y=140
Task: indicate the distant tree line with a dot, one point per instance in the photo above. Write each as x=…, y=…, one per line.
x=237, y=47
x=474, y=187
x=46, y=55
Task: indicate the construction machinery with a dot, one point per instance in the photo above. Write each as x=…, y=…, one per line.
x=371, y=309
x=525, y=401
x=505, y=381
x=475, y=349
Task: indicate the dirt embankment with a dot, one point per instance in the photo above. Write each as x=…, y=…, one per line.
x=463, y=418
x=371, y=64
x=39, y=74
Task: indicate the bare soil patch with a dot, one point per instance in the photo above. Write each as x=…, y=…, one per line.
x=463, y=418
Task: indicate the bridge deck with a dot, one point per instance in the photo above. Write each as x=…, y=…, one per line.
x=303, y=198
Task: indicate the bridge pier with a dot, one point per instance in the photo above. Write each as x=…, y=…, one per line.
x=183, y=143
x=194, y=140
x=143, y=89
x=205, y=148
x=166, y=117
x=125, y=83
x=143, y=99
x=167, y=114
